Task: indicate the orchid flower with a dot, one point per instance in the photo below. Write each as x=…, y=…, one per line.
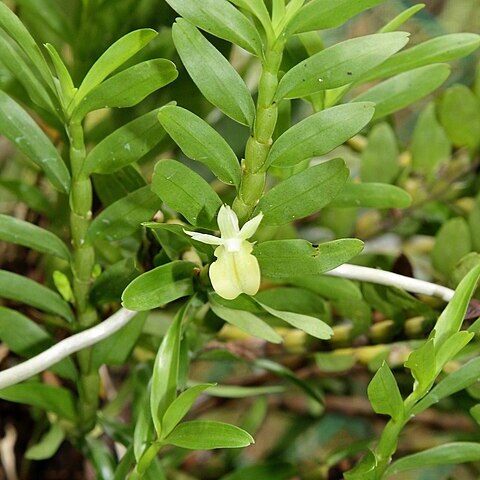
x=236, y=270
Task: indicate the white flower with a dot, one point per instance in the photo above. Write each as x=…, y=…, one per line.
x=236, y=270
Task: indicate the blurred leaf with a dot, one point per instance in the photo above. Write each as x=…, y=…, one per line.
x=339, y=65
x=372, y=195
x=293, y=258
x=22, y=289
x=269, y=471
x=212, y=73
x=159, y=286
x=329, y=287
x=319, y=134
x=398, y=92
x=430, y=144
x=28, y=235
x=384, y=394
x=207, y=435
x=126, y=145
x=451, y=244
x=31, y=195
x=401, y=18
x=459, y=113
x=474, y=224
x=187, y=192
x=20, y=129
x=48, y=444
x=199, y=141
x=304, y=193
x=46, y=397
x=380, y=157
x=236, y=391
x=125, y=216
x=221, y=19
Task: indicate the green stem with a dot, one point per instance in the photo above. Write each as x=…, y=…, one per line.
x=83, y=263
x=258, y=146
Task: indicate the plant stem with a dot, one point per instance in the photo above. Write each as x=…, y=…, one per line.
x=258, y=145
x=83, y=263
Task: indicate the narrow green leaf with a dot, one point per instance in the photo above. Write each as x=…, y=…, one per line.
x=339, y=65
x=165, y=371
x=452, y=317
x=323, y=14
x=212, y=73
x=319, y=134
x=28, y=235
x=235, y=391
x=207, y=435
x=401, y=18
x=187, y=192
x=397, y=92
x=20, y=129
x=48, y=444
x=384, y=394
x=380, y=157
x=311, y=325
x=180, y=407
x=430, y=144
x=129, y=87
x=125, y=216
x=257, y=8
x=199, y=141
x=221, y=19
x=246, y=321
x=22, y=289
x=159, y=286
x=115, y=56
x=46, y=397
x=126, y=145
x=439, y=49
x=304, y=193
x=293, y=258
x=144, y=430
x=66, y=86
x=421, y=363
x=372, y=195
x=451, y=347
x=447, y=454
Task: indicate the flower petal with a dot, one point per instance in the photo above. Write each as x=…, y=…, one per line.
x=249, y=229
x=227, y=222
x=205, y=238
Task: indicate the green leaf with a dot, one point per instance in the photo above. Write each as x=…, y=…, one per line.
x=380, y=157
x=401, y=18
x=28, y=235
x=439, y=49
x=235, y=391
x=165, y=371
x=452, y=317
x=319, y=134
x=459, y=112
x=268, y=471
x=257, y=8
x=323, y=14
x=22, y=289
x=430, y=145
x=207, y=435
x=294, y=258
x=246, y=321
x=31, y=195
x=212, y=73
x=180, y=407
x=199, y=141
x=187, y=192
x=20, y=129
x=332, y=288
x=447, y=454
x=129, y=87
x=126, y=145
x=462, y=378
x=115, y=56
x=304, y=193
x=143, y=432
x=159, y=286
x=451, y=244
x=372, y=195
x=48, y=444
x=66, y=87
x=311, y=325
x=46, y=397
x=342, y=64
x=421, y=363
x=451, y=347
x=172, y=238
x=397, y=92
x=125, y=216
x=384, y=394
x=474, y=224
x=221, y=19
